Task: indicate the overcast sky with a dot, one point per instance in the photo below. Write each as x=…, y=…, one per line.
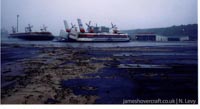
x=126, y=14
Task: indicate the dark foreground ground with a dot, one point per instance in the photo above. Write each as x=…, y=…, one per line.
x=129, y=75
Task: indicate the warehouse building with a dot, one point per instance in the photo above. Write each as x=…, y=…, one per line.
x=149, y=37
x=178, y=38
x=184, y=38
x=161, y=38
x=145, y=37
x=155, y=37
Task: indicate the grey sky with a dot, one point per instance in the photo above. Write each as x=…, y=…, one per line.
x=126, y=14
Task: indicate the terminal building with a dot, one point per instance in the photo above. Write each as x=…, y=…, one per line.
x=178, y=38
x=149, y=37
x=145, y=37
x=155, y=37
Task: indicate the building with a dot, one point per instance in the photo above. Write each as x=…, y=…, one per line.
x=145, y=37
x=184, y=38
x=161, y=38
x=155, y=37
x=149, y=37
x=178, y=38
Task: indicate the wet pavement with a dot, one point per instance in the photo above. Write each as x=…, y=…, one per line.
x=133, y=75
x=65, y=75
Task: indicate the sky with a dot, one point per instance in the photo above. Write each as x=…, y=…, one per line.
x=126, y=14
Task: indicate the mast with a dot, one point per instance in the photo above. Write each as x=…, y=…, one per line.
x=17, y=21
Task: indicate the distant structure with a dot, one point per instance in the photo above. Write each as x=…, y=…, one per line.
x=178, y=38
x=184, y=38
x=161, y=38
x=145, y=37
x=149, y=37
x=156, y=37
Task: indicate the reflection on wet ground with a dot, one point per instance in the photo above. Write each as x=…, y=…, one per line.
x=99, y=75
x=134, y=75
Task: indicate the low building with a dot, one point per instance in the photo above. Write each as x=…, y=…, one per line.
x=178, y=38
x=184, y=38
x=145, y=37
x=156, y=37
x=161, y=38
x=149, y=37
